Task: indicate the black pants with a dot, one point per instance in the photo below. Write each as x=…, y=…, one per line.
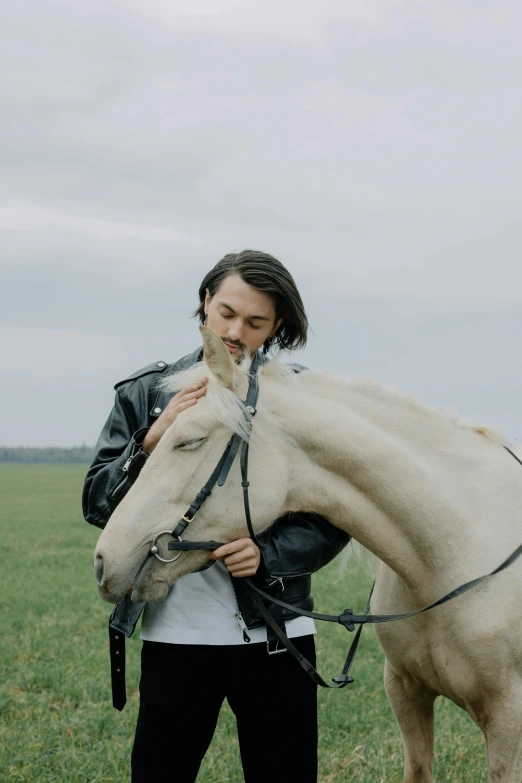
x=182, y=688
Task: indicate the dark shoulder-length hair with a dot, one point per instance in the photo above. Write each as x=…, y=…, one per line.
x=266, y=273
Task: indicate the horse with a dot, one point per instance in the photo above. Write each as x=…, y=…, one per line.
x=437, y=501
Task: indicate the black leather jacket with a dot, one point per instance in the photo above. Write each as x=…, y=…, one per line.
x=296, y=544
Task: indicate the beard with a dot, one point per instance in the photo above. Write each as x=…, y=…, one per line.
x=243, y=360
x=242, y=354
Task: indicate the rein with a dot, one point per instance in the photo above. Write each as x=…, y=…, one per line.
x=346, y=618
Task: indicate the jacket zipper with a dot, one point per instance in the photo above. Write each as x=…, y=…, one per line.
x=238, y=615
x=242, y=625
x=117, y=489
x=275, y=579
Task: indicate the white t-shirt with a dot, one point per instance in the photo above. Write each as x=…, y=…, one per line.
x=201, y=608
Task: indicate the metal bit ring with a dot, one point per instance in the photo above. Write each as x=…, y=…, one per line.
x=155, y=551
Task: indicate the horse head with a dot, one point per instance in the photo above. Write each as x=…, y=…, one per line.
x=175, y=472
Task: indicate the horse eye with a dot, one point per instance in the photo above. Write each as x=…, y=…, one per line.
x=190, y=445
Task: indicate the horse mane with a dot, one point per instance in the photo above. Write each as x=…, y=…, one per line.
x=314, y=381
x=224, y=403
x=230, y=410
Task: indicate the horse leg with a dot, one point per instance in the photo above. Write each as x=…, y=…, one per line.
x=503, y=731
x=412, y=705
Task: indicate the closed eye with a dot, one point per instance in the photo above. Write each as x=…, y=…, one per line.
x=190, y=445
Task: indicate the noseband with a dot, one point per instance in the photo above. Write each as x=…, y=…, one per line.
x=219, y=476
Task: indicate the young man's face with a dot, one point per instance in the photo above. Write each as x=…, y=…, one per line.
x=241, y=315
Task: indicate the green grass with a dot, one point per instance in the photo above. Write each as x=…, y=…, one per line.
x=57, y=722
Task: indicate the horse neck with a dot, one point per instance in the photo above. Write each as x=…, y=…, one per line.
x=373, y=481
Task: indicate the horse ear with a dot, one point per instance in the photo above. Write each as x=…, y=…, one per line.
x=217, y=357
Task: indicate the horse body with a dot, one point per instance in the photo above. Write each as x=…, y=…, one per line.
x=465, y=500
x=439, y=504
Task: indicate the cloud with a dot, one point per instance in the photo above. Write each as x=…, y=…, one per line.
x=44, y=354
x=372, y=145
x=51, y=232
x=293, y=21
x=20, y=216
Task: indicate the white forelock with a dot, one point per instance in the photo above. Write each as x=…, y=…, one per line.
x=224, y=403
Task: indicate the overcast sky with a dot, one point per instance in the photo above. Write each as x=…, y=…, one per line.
x=374, y=146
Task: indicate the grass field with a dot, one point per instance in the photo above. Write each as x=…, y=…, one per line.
x=57, y=722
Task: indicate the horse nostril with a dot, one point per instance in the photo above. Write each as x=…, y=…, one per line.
x=98, y=569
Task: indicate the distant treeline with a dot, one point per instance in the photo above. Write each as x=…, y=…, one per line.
x=77, y=454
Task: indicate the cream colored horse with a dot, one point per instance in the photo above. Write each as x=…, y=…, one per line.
x=439, y=503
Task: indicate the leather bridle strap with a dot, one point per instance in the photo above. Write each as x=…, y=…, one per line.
x=222, y=469
x=513, y=454
x=204, y=492
x=246, y=500
x=194, y=546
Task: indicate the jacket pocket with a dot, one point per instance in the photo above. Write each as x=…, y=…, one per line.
x=119, y=488
x=279, y=577
x=131, y=470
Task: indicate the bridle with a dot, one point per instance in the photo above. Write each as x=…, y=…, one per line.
x=219, y=476
x=346, y=618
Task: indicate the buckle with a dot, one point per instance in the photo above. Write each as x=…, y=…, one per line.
x=342, y=679
x=276, y=651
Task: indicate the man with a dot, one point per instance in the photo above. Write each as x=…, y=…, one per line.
x=205, y=641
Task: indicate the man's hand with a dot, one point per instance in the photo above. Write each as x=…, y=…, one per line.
x=241, y=557
x=180, y=402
